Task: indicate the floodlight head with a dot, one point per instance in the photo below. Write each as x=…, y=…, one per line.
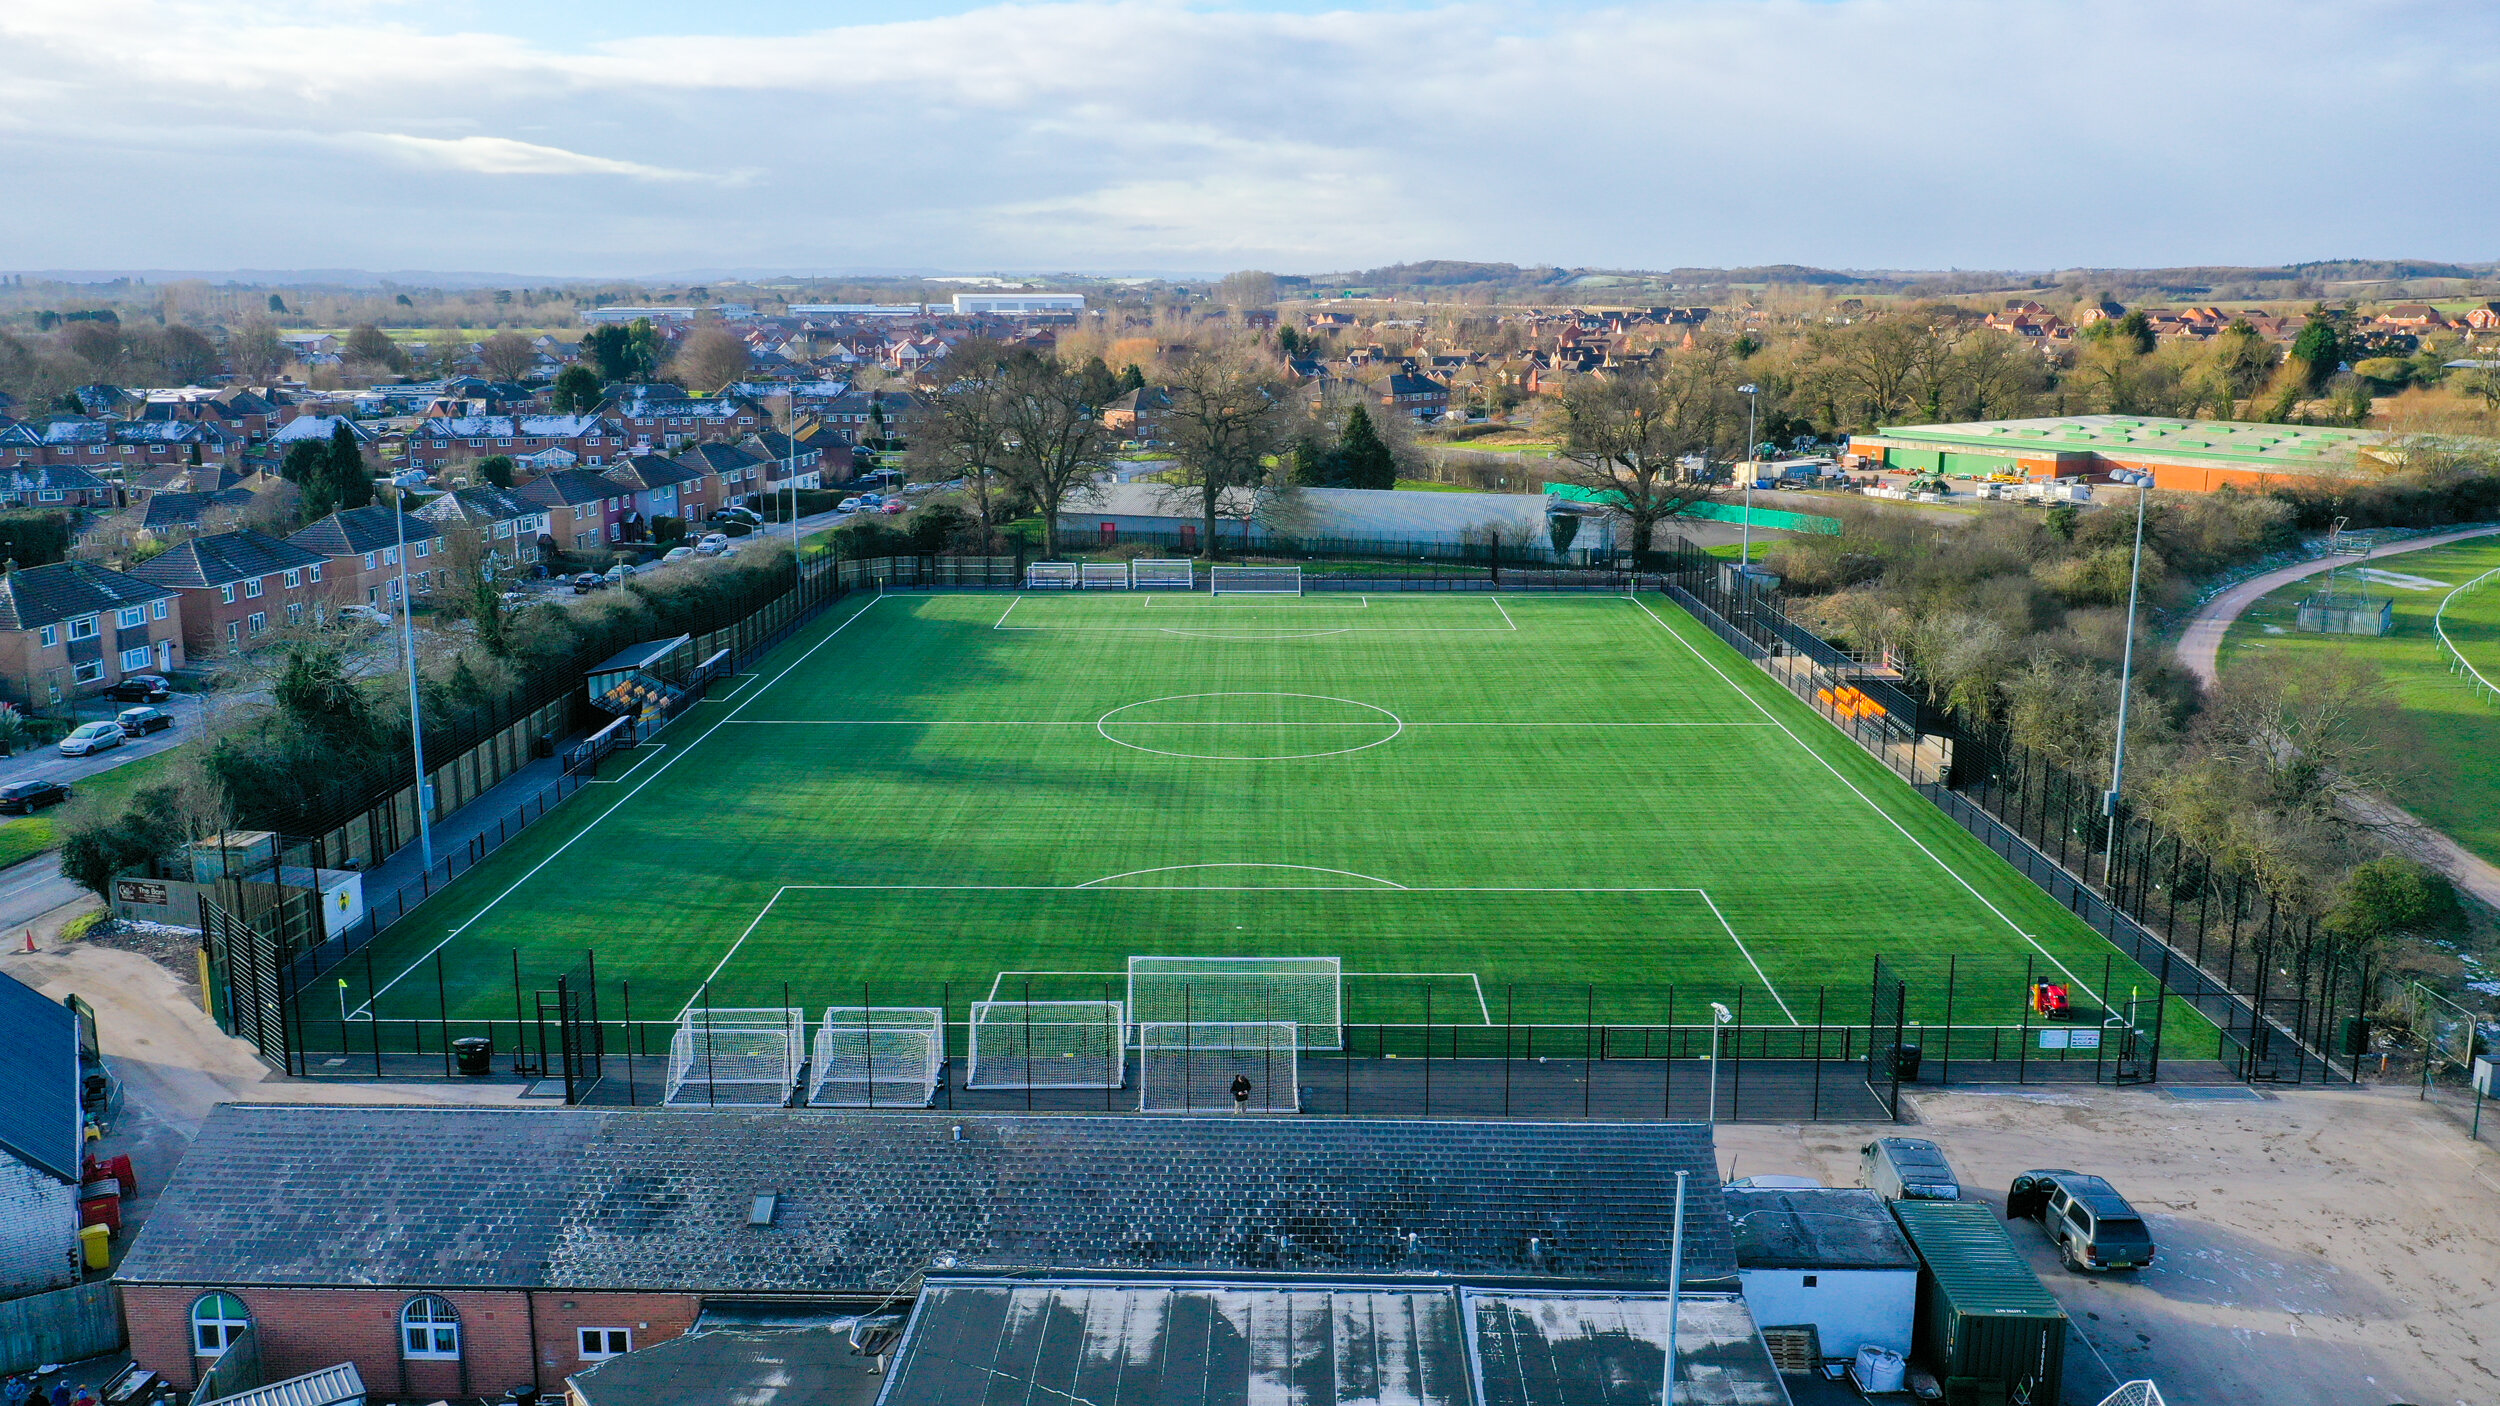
x=1749, y=388
x=1720, y=1013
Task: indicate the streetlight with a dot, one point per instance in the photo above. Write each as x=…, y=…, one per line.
x=1719, y=1016
x=408, y=648
x=1753, y=402
x=1675, y=1288
x=2142, y=482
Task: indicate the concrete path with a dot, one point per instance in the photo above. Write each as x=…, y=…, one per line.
x=2200, y=650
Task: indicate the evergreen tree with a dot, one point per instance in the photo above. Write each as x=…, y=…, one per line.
x=496, y=469
x=276, y=303
x=303, y=459
x=577, y=391
x=1363, y=458
x=2319, y=350
x=1131, y=379
x=350, y=483
x=1315, y=465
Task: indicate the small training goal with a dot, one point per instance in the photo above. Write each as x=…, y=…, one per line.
x=1306, y=992
x=1103, y=576
x=741, y=1056
x=876, y=1057
x=1252, y=1066
x=1158, y=575
x=1254, y=580
x=1050, y=576
x=1048, y=1045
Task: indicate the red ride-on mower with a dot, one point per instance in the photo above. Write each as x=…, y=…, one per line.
x=2048, y=1001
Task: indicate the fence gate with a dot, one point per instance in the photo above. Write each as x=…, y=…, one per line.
x=570, y=1040
x=250, y=980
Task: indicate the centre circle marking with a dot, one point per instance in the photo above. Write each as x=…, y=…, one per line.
x=1394, y=723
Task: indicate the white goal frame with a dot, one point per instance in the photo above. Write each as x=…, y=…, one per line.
x=1254, y=580
x=739, y=1056
x=1164, y=574
x=1050, y=576
x=1103, y=576
x=1189, y=1066
x=877, y=1057
x=1307, y=992
x=1047, y=1045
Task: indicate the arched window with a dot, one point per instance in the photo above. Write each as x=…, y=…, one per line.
x=429, y=1328
x=216, y=1321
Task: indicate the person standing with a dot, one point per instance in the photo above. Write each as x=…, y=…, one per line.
x=1241, y=1093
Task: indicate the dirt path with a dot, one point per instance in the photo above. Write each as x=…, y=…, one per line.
x=2317, y=1248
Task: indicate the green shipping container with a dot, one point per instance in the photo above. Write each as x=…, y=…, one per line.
x=1986, y=1326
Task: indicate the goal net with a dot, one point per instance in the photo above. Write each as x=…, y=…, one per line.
x=1103, y=575
x=1306, y=992
x=736, y=1056
x=1215, y=1066
x=1048, y=1045
x=876, y=1057
x=1181, y=575
x=1050, y=576
x=1254, y=580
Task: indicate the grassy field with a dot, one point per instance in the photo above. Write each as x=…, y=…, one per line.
x=25, y=836
x=1551, y=808
x=2449, y=763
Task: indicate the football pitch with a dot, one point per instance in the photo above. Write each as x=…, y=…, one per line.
x=1487, y=807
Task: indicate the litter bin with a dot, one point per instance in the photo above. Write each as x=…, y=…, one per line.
x=95, y=1246
x=1905, y=1062
x=475, y=1053
x=545, y=746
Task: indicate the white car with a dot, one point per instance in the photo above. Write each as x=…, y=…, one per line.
x=676, y=554
x=364, y=614
x=92, y=738
x=851, y=505
x=713, y=544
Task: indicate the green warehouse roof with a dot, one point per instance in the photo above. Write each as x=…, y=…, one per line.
x=2220, y=442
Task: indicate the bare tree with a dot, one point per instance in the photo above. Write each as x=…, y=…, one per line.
x=1226, y=427
x=1052, y=435
x=1623, y=433
x=506, y=356
x=711, y=358
x=255, y=352
x=959, y=431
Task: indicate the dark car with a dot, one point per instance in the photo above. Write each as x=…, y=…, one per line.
x=140, y=688
x=2092, y=1225
x=27, y=797
x=139, y=722
x=589, y=581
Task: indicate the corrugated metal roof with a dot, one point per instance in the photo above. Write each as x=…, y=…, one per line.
x=40, y=1120
x=1560, y=1349
x=331, y=1386
x=1974, y=1261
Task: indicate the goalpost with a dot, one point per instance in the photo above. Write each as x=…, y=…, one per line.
x=1305, y=992
x=1050, y=576
x=877, y=1057
x=1254, y=580
x=1103, y=575
x=746, y=1056
x=1048, y=1045
x=1162, y=575
x=1196, y=1066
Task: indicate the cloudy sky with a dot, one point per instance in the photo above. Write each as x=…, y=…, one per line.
x=635, y=137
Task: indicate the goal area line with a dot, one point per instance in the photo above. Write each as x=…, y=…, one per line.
x=1323, y=606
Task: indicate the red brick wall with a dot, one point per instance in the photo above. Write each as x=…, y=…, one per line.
x=303, y=1330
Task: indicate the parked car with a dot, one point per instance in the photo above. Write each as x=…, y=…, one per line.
x=364, y=615
x=893, y=505
x=617, y=574
x=589, y=581
x=677, y=554
x=140, y=688
x=746, y=515
x=27, y=797
x=91, y=738
x=713, y=544
x=851, y=504
x=139, y=722
x=2092, y=1225
x=1908, y=1169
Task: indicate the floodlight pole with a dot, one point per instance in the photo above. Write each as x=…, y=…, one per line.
x=1719, y=1017
x=2126, y=676
x=408, y=648
x=1675, y=1287
x=1753, y=402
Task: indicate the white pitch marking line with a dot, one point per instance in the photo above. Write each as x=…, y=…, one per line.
x=1303, y=868
x=1886, y=815
x=1497, y=605
x=1749, y=961
x=620, y=780
x=1010, y=610
x=1481, y=1005
x=611, y=810
x=1046, y=722
x=1002, y=976
x=733, y=947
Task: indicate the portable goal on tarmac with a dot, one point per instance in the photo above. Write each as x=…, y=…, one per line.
x=1254, y=580
x=743, y=1056
x=1103, y=576
x=1048, y=1045
x=1050, y=576
x=1219, y=1066
x=1160, y=575
x=876, y=1057
x=1306, y=992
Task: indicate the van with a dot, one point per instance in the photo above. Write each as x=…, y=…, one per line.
x=1908, y=1169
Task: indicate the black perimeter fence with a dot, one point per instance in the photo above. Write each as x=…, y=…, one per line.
x=574, y=1037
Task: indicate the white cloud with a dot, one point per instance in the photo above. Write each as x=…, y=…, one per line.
x=1161, y=134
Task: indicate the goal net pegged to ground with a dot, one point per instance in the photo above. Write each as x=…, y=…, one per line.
x=1254, y=580
x=1103, y=576
x=1050, y=576
x=877, y=1057
x=1048, y=1045
x=1217, y=1066
x=748, y=1056
x=1308, y=992
x=1161, y=575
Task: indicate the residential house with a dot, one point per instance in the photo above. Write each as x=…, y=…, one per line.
x=54, y=486
x=671, y=488
x=798, y=458
x=864, y=411
x=584, y=509
x=42, y=1145
x=111, y=446
x=1417, y=396
x=2410, y=315
x=74, y=628
x=2482, y=319
x=1142, y=414
x=318, y=429
x=169, y=513
x=656, y=417
x=236, y=586
x=436, y=442
x=362, y=547
x=187, y=478
x=510, y=523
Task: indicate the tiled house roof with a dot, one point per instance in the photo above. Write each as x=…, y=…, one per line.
x=223, y=559
x=366, y=529
x=45, y=595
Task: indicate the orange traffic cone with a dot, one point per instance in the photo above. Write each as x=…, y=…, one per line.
x=30, y=939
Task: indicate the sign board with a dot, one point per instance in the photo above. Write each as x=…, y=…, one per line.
x=2052, y=1038
x=140, y=891
x=2084, y=1040
x=2484, y=1077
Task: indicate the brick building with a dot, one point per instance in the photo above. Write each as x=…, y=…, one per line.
x=584, y=509
x=437, y=442
x=510, y=523
x=236, y=586
x=73, y=628
x=362, y=546
x=659, y=417
x=41, y=1143
x=661, y=487
x=100, y=446
x=459, y=1251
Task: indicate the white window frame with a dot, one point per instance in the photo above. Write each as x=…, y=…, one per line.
x=85, y=627
x=368, y=561
x=294, y=577
x=162, y=609
x=258, y=621
x=251, y=588
x=49, y=495
x=226, y=1328
x=133, y=660
x=605, y=1345
x=225, y=593
x=315, y=569
x=91, y=671
x=429, y=1330
x=51, y=635
x=130, y=617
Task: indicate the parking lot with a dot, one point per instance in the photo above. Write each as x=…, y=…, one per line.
x=2317, y=1247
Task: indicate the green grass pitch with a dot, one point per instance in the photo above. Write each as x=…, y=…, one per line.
x=1489, y=802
